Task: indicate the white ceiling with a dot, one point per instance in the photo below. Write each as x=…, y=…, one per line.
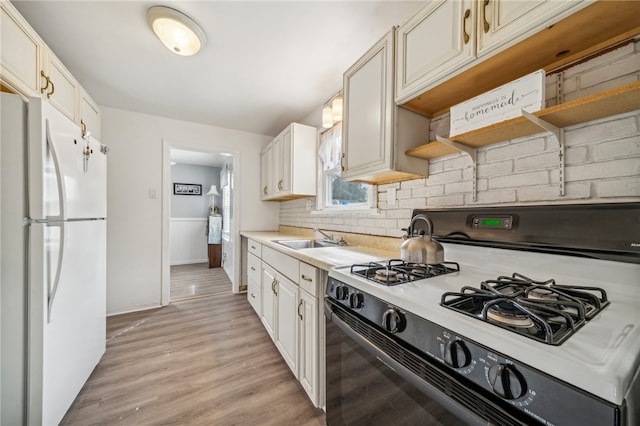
x=265, y=63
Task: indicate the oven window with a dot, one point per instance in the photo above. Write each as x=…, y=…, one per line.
x=362, y=390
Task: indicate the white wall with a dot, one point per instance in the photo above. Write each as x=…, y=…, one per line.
x=134, y=243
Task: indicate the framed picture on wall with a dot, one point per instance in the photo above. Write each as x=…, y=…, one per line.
x=187, y=189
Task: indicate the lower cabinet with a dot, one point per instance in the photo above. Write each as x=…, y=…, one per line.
x=285, y=294
x=287, y=324
x=308, y=344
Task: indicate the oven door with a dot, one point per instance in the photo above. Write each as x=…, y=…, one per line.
x=366, y=385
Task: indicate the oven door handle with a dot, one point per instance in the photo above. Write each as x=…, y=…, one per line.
x=435, y=394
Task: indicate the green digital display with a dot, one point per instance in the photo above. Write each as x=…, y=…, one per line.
x=491, y=222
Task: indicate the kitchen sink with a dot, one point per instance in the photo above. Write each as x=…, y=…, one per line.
x=304, y=244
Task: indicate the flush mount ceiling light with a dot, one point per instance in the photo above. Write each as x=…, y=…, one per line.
x=176, y=30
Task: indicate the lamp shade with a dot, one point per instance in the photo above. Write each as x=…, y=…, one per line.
x=213, y=190
x=336, y=108
x=176, y=31
x=327, y=119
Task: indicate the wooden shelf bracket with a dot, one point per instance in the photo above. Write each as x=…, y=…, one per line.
x=473, y=153
x=558, y=133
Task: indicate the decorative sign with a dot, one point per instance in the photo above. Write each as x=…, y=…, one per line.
x=187, y=189
x=500, y=104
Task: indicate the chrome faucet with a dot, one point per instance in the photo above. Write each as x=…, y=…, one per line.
x=329, y=238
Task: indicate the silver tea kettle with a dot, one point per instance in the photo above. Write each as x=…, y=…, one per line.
x=418, y=249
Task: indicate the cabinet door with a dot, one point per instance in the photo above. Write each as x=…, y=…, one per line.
x=269, y=299
x=287, y=322
x=266, y=165
x=367, y=130
x=62, y=92
x=89, y=114
x=285, y=162
x=502, y=21
x=437, y=40
x=20, y=53
x=308, y=344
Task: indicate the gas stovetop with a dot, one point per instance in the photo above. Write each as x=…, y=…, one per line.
x=396, y=271
x=541, y=310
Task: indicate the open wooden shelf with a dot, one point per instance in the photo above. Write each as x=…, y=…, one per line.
x=604, y=104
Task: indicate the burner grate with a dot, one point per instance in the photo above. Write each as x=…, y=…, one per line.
x=541, y=310
x=396, y=271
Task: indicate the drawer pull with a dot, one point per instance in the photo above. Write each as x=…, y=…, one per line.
x=253, y=295
x=304, y=277
x=253, y=269
x=465, y=36
x=253, y=247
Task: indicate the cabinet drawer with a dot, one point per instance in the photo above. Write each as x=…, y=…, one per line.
x=254, y=296
x=308, y=279
x=253, y=269
x=286, y=265
x=255, y=248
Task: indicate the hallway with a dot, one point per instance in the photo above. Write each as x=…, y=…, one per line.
x=197, y=280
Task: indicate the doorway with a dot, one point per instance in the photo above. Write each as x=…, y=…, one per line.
x=192, y=206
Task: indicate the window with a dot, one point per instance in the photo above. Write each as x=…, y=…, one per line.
x=334, y=193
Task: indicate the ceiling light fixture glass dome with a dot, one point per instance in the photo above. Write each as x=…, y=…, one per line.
x=176, y=31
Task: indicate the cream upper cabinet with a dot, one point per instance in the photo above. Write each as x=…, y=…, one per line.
x=288, y=164
x=502, y=22
x=61, y=89
x=439, y=38
x=28, y=67
x=89, y=114
x=20, y=53
x=266, y=158
x=374, y=134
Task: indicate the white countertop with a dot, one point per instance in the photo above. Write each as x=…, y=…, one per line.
x=320, y=257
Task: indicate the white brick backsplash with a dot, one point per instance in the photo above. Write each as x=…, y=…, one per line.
x=574, y=191
x=601, y=131
x=446, y=200
x=536, y=162
x=456, y=187
x=518, y=180
x=495, y=197
x=602, y=162
x=620, y=148
x=427, y=191
x=498, y=168
x=618, y=188
x=407, y=184
x=413, y=203
x=575, y=155
x=510, y=151
x=603, y=170
x=444, y=177
x=623, y=67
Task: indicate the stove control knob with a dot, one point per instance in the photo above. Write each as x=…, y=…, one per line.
x=342, y=292
x=506, y=381
x=456, y=354
x=356, y=300
x=393, y=321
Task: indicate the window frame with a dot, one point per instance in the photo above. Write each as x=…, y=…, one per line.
x=323, y=185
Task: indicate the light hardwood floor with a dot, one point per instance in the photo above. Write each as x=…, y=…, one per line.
x=197, y=279
x=204, y=361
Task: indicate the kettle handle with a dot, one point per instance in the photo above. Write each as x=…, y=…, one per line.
x=410, y=230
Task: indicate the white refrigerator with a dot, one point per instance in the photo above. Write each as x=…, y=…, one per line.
x=53, y=279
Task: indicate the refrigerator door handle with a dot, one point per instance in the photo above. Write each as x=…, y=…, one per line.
x=53, y=290
x=59, y=183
